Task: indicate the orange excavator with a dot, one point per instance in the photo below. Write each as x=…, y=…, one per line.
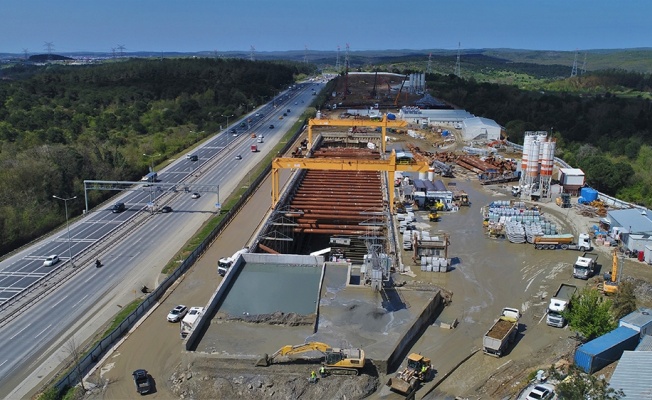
x=612, y=278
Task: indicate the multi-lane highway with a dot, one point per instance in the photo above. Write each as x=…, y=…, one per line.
x=127, y=241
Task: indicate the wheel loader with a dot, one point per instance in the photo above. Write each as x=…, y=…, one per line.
x=409, y=379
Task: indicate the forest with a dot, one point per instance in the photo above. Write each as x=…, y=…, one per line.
x=61, y=125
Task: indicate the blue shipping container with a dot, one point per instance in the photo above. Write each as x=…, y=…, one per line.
x=605, y=349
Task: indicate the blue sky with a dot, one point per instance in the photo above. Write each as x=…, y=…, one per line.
x=269, y=25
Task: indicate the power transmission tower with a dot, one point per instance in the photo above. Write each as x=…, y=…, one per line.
x=113, y=52
x=216, y=54
x=305, y=54
x=49, y=46
x=429, y=68
x=346, y=73
x=252, y=53
x=337, y=61
x=583, y=70
x=26, y=54
x=121, y=47
x=458, y=67
x=574, y=70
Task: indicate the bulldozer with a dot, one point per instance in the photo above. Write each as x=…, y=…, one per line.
x=409, y=379
x=612, y=278
x=336, y=361
x=433, y=216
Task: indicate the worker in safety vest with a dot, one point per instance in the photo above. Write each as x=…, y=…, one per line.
x=322, y=371
x=313, y=377
x=424, y=371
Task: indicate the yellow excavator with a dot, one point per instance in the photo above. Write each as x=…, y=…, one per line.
x=336, y=361
x=433, y=216
x=612, y=278
x=409, y=379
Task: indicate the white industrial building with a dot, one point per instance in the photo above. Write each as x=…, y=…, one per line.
x=478, y=128
x=443, y=118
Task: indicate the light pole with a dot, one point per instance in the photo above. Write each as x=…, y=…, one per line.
x=65, y=205
x=227, y=120
x=218, y=205
x=151, y=164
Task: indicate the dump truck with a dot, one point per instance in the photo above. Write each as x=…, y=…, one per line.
x=409, y=379
x=224, y=263
x=254, y=148
x=559, y=303
x=502, y=333
x=584, y=266
x=564, y=242
x=335, y=361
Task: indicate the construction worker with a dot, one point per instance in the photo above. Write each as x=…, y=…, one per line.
x=322, y=372
x=313, y=377
x=424, y=371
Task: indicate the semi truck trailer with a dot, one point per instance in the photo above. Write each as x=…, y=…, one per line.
x=563, y=242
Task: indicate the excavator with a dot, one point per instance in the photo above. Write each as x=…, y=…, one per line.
x=612, y=278
x=336, y=361
x=409, y=379
x=433, y=216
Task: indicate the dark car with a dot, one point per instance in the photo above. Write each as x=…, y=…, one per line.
x=271, y=126
x=141, y=379
x=233, y=130
x=118, y=207
x=166, y=209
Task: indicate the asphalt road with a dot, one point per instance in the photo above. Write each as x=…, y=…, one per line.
x=72, y=311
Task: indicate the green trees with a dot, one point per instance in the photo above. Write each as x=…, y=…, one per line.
x=625, y=300
x=590, y=314
x=579, y=385
x=60, y=125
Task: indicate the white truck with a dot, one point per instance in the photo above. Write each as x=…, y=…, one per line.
x=585, y=266
x=223, y=264
x=502, y=333
x=189, y=320
x=559, y=303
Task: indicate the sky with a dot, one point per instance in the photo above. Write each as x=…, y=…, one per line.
x=273, y=25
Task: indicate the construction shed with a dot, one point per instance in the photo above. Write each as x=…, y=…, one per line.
x=478, y=128
x=444, y=118
x=639, y=320
x=632, y=375
x=571, y=179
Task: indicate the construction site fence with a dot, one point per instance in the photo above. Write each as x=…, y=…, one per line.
x=79, y=368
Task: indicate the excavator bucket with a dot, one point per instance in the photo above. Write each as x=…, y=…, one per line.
x=399, y=385
x=264, y=361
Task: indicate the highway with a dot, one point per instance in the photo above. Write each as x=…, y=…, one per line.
x=134, y=244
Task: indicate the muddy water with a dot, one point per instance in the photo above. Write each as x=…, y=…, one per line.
x=267, y=288
x=487, y=275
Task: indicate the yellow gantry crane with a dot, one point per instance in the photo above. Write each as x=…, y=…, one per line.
x=383, y=124
x=345, y=164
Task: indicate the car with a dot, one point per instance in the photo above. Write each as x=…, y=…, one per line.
x=233, y=130
x=141, y=379
x=177, y=313
x=253, y=135
x=118, y=208
x=271, y=126
x=288, y=111
x=166, y=209
x=285, y=115
x=540, y=392
x=195, y=195
x=295, y=103
x=238, y=157
x=280, y=117
x=192, y=157
x=243, y=125
x=51, y=260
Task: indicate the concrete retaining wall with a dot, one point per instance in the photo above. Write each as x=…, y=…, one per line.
x=428, y=315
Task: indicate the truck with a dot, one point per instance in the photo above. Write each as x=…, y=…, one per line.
x=559, y=303
x=189, y=320
x=223, y=264
x=260, y=138
x=254, y=148
x=502, y=332
x=584, y=266
x=564, y=242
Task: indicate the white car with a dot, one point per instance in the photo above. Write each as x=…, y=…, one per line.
x=51, y=260
x=177, y=313
x=238, y=157
x=195, y=195
x=540, y=392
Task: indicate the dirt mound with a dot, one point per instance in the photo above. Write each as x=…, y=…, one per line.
x=277, y=318
x=230, y=379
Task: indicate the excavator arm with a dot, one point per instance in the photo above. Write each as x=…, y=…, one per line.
x=291, y=350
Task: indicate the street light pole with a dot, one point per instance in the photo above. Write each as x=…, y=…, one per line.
x=151, y=163
x=227, y=120
x=218, y=205
x=65, y=205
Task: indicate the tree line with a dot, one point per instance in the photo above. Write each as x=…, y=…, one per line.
x=61, y=125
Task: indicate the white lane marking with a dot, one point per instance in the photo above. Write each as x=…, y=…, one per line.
x=57, y=303
x=40, y=333
x=3, y=363
x=80, y=300
x=19, y=332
